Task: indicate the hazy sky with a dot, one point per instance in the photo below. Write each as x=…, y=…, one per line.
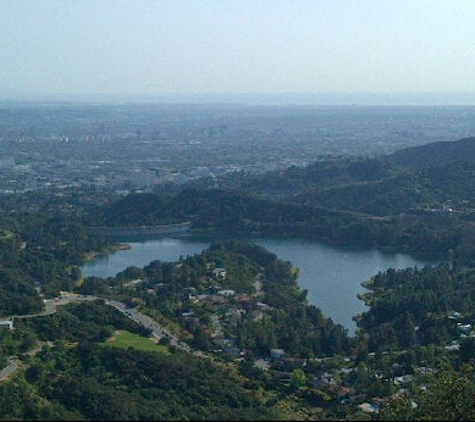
x=236, y=46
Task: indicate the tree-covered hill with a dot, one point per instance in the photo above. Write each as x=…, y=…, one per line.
x=366, y=202
x=402, y=192
x=434, y=154
x=420, y=177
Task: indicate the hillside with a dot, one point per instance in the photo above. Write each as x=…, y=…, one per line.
x=360, y=202
x=255, y=348
x=420, y=178
x=434, y=154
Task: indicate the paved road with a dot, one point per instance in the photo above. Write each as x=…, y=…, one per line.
x=66, y=297
x=50, y=308
x=135, y=315
x=13, y=363
x=132, y=313
x=9, y=369
x=146, y=321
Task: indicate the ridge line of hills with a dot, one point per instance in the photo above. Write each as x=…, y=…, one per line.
x=419, y=200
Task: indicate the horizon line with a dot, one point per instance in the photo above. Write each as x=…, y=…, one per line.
x=270, y=98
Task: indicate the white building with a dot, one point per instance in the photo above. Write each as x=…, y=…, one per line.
x=219, y=273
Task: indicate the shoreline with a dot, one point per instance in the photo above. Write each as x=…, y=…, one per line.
x=91, y=256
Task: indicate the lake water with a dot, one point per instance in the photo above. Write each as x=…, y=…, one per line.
x=332, y=276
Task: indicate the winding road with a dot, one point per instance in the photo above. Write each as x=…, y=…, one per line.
x=157, y=330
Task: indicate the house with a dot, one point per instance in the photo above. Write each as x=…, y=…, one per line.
x=256, y=315
x=235, y=317
x=264, y=306
x=234, y=352
x=277, y=353
x=368, y=407
x=134, y=282
x=219, y=273
x=190, y=318
x=228, y=346
x=212, y=299
x=465, y=328
x=245, y=302
x=227, y=292
x=285, y=377
x=403, y=379
x=452, y=347
x=426, y=371
x=325, y=380
x=293, y=363
x=261, y=364
x=455, y=315
x=258, y=284
x=191, y=293
x=215, y=299
x=7, y=323
x=340, y=390
x=243, y=299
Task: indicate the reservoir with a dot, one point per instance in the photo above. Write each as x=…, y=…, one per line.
x=331, y=275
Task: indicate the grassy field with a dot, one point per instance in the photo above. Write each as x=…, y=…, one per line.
x=124, y=340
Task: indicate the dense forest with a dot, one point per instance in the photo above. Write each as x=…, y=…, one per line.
x=38, y=250
x=417, y=306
